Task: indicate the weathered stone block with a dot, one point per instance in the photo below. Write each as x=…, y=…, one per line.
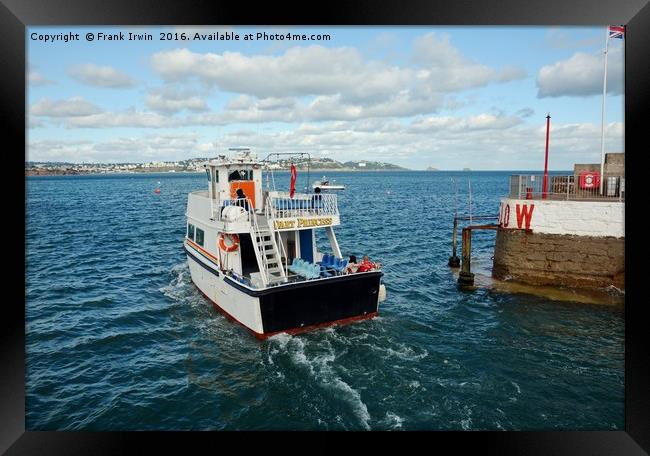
x=554, y=259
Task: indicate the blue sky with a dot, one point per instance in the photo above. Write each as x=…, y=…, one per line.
x=447, y=97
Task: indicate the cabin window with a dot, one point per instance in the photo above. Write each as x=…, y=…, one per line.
x=190, y=231
x=207, y=171
x=240, y=174
x=199, y=236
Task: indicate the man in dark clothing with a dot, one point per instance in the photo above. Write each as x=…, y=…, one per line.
x=241, y=199
x=316, y=199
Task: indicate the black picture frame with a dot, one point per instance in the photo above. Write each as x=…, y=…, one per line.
x=15, y=15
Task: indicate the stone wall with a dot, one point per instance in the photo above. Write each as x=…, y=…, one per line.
x=582, y=218
x=614, y=165
x=559, y=259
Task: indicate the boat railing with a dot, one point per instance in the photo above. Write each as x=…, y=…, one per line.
x=280, y=206
x=568, y=188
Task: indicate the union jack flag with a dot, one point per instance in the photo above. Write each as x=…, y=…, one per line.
x=616, y=31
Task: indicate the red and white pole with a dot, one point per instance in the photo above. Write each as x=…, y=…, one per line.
x=545, y=183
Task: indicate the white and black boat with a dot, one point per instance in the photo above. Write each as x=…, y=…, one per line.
x=326, y=184
x=253, y=253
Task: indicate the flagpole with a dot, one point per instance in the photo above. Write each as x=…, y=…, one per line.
x=602, y=122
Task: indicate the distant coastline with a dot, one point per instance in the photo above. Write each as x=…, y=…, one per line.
x=323, y=165
x=75, y=172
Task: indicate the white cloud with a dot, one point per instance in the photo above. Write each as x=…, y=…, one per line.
x=479, y=142
x=35, y=78
x=72, y=107
x=33, y=122
x=124, y=149
x=582, y=75
x=303, y=84
x=340, y=73
x=464, y=124
x=171, y=100
x=482, y=141
x=445, y=69
x=130, y=118
x=100, y=76
x=312, y=70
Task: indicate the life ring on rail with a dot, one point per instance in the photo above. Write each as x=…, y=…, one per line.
x=589, y=179
x=234, y=242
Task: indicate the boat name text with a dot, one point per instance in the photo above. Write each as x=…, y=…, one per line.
x=301, y=223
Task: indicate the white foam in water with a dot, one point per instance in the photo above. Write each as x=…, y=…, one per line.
x=467, y=422
x=282, y=339
x=403, y=352
x=395, y=419
x=516, y=386
x=320, y=367
x=354, y=398
x=177, y=289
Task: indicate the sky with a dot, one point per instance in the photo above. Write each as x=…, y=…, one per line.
x=418, y=97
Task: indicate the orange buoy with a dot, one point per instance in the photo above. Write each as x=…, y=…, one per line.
x=157, y=190
x=234, y=242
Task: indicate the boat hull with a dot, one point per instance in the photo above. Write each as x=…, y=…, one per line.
x=291, y=308
x=330, y=187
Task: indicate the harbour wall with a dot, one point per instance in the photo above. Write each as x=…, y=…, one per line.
x=566, y=243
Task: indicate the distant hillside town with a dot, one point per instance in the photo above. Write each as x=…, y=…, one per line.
x=194, y=165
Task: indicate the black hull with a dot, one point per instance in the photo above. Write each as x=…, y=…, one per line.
x=346, y=298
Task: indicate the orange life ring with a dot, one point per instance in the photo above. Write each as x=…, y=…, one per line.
x=234, y=239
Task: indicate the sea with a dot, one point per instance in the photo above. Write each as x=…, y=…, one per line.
x=118, y=337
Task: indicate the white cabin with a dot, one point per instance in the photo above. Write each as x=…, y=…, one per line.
x=271, y=227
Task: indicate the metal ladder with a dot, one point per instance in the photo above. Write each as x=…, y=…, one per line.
x=266, y=251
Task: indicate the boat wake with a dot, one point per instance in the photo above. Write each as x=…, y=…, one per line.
x=178, y=289
x=317, y=359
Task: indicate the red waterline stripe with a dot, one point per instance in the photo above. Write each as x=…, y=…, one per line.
x=203, y=251
x=294, y=331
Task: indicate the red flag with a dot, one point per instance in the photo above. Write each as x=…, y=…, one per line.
x=292, y=186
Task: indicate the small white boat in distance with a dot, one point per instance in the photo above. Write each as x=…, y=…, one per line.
x=325, y=184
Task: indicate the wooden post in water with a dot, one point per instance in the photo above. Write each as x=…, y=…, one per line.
x=466, y=277
x=454, y=261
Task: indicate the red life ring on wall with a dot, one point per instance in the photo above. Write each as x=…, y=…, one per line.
x=589, y=179
x=234, y=242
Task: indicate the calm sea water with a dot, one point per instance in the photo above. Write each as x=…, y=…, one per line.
x=118, y=338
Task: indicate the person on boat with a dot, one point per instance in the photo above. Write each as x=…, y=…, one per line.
x=241, y=199
x=316, y=199
x=352, y=265
x=366, y=265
